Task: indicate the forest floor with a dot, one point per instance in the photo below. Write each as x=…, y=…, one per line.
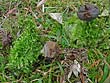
x=48, y=41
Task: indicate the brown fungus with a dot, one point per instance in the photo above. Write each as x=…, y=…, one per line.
x=88, y=12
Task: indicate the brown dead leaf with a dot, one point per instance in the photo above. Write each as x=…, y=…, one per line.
x=73, y=62
x=72, y=68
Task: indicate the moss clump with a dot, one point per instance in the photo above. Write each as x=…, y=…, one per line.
x=26, y=48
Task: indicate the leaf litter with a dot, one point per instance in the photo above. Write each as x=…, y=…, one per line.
x=73, y=61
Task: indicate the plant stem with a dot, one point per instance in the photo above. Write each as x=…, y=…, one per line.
x=82, y=2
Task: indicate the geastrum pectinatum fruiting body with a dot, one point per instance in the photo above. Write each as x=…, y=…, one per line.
x=88, y=12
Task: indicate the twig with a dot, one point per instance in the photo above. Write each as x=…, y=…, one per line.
x=34, y=80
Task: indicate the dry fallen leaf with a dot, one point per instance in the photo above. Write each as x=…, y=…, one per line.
x=57, y=17
x=104, y=13
x=75, y=69
x=73, y=61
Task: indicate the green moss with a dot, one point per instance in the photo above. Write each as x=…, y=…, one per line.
x=26, y=48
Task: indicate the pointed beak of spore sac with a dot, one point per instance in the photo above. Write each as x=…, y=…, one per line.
x=88, y=12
